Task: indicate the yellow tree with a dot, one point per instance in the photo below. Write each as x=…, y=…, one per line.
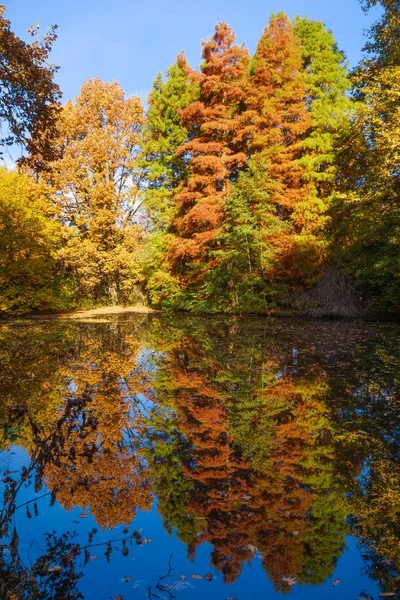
x=95, y=181
x=29, y=240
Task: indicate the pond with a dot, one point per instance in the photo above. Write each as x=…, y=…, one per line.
x=147, y=456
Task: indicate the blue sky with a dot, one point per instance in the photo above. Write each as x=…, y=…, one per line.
x=131, y=41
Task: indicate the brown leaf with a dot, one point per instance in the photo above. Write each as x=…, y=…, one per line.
x=55, y=569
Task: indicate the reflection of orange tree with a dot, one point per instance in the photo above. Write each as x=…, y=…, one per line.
x=259, y=458
x=296, y=483
x=99, y=465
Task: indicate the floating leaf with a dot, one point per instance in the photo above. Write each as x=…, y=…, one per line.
x=55, y=569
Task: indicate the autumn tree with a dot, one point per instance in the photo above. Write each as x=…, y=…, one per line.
x=29, y=97
x=30, y=277
x=257, y=237
x=95, y=184
x=367, y=211
x=327, y=86
x=215, y=151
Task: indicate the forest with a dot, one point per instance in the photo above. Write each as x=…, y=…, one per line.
x=264, y=183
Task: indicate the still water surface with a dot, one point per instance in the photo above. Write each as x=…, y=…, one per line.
x=153, y=457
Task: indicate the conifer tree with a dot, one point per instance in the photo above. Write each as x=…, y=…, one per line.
x=256, y=242
x=277, y=120
x=162, y=135
x=215, y=152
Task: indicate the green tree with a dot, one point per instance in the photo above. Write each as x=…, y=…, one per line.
x=163, y=134
x=327, y=82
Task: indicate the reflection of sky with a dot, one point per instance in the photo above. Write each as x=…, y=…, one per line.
x=104, y=580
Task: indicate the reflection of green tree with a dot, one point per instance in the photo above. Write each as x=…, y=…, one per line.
x=166, y=453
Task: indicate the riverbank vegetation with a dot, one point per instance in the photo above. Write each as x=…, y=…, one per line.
x=256, y=183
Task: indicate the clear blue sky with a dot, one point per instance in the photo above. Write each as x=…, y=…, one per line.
x=131, y=41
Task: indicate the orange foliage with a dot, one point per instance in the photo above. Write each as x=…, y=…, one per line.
x=215, y=153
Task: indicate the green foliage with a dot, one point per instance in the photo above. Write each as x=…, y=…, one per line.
x=327, y=82
x=162, y=135
x=244, y=255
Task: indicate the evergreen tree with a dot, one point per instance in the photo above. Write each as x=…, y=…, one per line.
x=163, y=134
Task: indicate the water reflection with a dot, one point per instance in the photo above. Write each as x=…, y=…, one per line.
x=261, y=441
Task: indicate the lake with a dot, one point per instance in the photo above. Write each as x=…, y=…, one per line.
x=152, y=456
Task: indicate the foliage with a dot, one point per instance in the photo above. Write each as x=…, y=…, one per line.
x=95, y=186
x=30, y=277
x=367, y=218
x=29, y=97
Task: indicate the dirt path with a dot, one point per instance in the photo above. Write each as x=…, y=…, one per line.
x=107, y=310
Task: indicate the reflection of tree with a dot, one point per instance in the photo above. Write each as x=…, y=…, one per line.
x=100, y=465
x=53, y=574
x=259, y=455
x=87, y=426
x=254, y=435
x=368, y=413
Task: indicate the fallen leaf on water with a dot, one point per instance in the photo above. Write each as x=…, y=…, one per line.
x=83, y=516
x=253, y=549
x=147, y=540
x=289, y=580
x=195, y=576
x=336, y=582
x=208, y=576
x=54, y=570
